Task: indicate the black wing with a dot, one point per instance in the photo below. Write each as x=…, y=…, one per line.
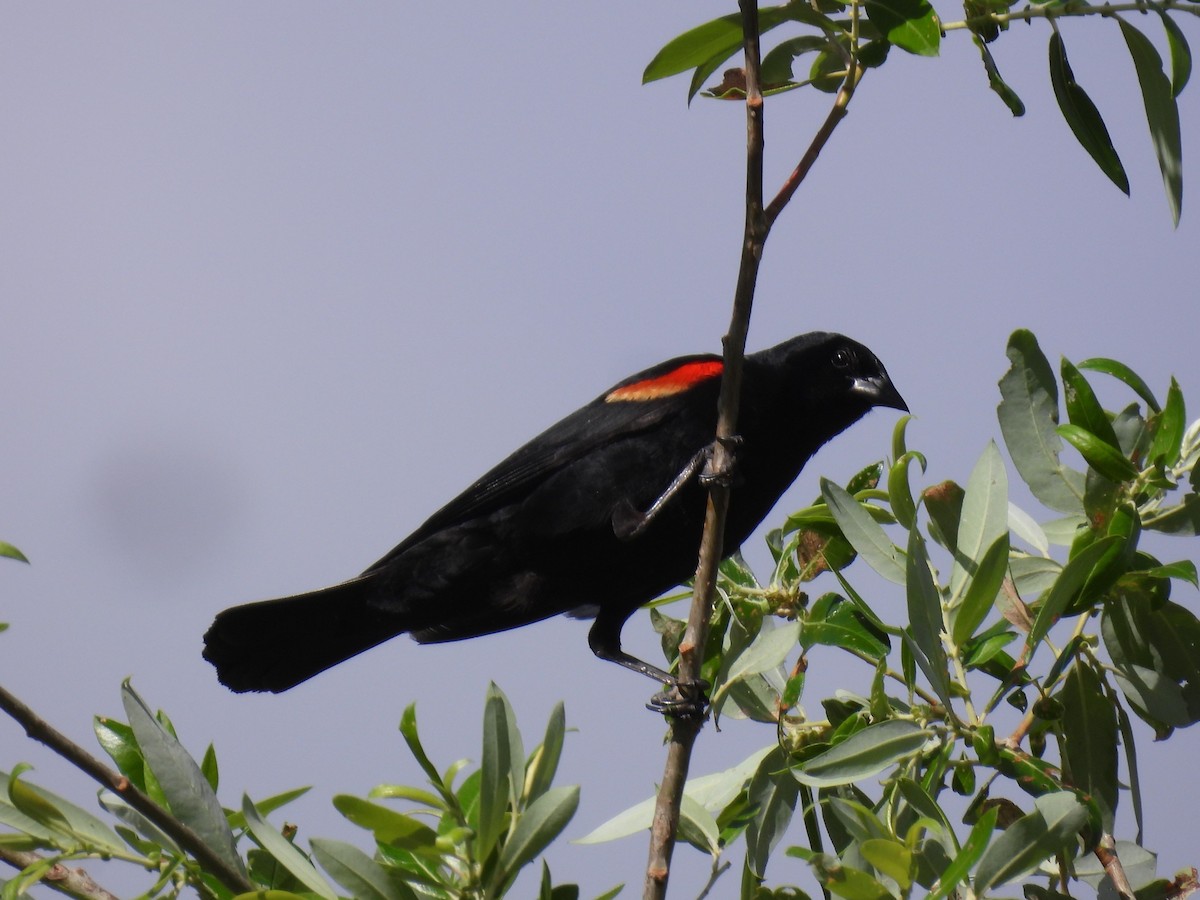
x=605, y=420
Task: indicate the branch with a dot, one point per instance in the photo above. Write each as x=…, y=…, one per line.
x=1106, y=852
x=185, y=837
x=1071, y=10
x=691, y=650
x=72, y=882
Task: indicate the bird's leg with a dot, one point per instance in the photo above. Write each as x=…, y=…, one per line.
x=628, y=522
x=683, y=700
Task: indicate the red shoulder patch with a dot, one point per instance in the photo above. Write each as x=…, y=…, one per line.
x=675, y=381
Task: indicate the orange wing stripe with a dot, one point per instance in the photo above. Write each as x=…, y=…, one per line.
x=674, y=382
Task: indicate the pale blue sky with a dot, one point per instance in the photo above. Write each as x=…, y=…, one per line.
x=279, y=279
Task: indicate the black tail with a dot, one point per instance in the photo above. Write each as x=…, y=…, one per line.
x=276, y=644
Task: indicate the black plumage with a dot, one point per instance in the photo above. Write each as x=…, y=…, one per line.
x=559, y=526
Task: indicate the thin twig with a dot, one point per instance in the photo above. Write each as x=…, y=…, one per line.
x=72, y=882
x=40, y=730
x=836, y=114
x=691, y=650
x=1106, y=852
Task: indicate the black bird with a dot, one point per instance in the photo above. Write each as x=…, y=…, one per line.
x=597, y=515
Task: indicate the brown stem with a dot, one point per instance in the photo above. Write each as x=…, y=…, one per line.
x=1106, y=852
x=40, y=730
x=691, y=650
x=836, y=114
x=72, y=882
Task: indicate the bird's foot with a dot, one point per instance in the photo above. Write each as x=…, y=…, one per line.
x=683, y=700
x=724, y=476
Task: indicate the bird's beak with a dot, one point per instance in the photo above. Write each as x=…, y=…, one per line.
x=879, y=391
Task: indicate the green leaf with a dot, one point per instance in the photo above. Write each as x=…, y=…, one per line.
x=983, y=520
x=1083, y=117
x=1089, y=725
x=284, y=852
x=1167, y=444
x=972, y=849
x=1181, y=54
x=899, y=493
x=362, y=876
x=495, y=786
x=386, y=825
x=996, y=82
x=777, y=64
x=718, y=39
x=925, y=616
x=9, y=551
x=117, y=740
x=837, y=623
x=1028, y=415
x=863, y=754
x=711, y=791
x=1124, y=374
x=537, y=826
x=60, y=815
x=846, y=881
x=1184, y=570
x=891, y=858
x=1083, y=409
x=543, y=765
x=863, y=532
x=769, y=649
x=1070, y=582
x=1106, y=459
x=1030, y=840
x=182, y=782
x=773, y=793
x=981, y=592
x=1162, y=113
x=911, y=25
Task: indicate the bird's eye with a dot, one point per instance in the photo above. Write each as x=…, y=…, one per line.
x=843, y=358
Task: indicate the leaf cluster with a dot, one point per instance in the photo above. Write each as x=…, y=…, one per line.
x=481, y=830
x=1066, y=626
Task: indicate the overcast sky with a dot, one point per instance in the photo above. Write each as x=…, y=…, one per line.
x=280, y=279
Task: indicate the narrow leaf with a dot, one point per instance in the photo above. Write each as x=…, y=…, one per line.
x=1090, y=729
x=1162, y=113
x=864, y=754
x=182, y=782
x=983, y=520
x=981, y=592
x=1124, y=374
x=362, y=876
x=971, y=850
x=1070, y=582
x=1028, y=415
x=1181, y=54
x=284, y=852
x=1030, y=840
x=911, y=25
x=538, y=825
x=1106, y=459
x=863, y=532
x=1083, y=117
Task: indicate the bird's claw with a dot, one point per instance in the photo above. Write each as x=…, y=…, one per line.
x=684, y=700
x=710, y=475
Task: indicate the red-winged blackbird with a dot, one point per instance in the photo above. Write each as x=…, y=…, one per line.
x=595, y=516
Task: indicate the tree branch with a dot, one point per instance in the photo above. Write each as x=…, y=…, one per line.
x=72, y=882
x=691, y=649
x=38, y=729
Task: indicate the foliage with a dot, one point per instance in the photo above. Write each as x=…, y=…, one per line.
x=483, y=829
x=845, y=38
x=998, y=629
